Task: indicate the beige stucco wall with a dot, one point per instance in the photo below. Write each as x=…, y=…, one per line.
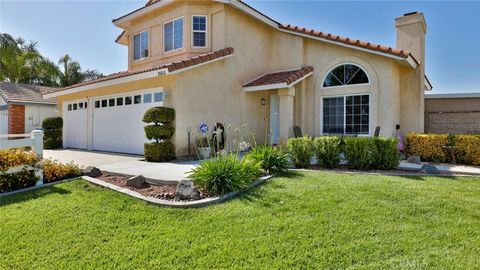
x=452, y=115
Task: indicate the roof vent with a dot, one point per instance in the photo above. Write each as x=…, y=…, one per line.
x=410, y=13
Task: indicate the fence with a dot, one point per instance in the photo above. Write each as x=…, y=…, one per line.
x=34, y=140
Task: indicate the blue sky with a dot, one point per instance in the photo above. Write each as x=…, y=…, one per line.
x=83, y=29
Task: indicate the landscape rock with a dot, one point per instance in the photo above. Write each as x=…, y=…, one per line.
x=414, y=159
x=429, y=169
x=92, y=172
x=187, y=191
x=136, y=181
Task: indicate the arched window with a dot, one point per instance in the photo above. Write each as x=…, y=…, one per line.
x=346, y=74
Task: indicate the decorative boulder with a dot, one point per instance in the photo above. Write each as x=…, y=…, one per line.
x=136, y=181
x=187, y=191
x=92, y=172
x=429, y=169
x=414, y=159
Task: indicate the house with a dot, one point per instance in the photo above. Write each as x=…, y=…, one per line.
x=22, y=107
x=223, y=61
x=452, y=113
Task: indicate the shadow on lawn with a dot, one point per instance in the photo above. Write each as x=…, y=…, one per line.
x=31, y=195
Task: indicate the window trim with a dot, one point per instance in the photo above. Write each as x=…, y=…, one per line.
x=199, y=31
x=347, y=85
x=173, y=33
x=133, y=45
x=369, y=134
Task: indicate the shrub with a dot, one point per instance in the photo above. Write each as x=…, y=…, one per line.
x=162, y=150
x=468, y=149
x=13, y=158
x=159, y=115
x=327, y=151
x=225, y=174
x=384, y=153
x=52, y=123
x=301, y=150
x=273, y=160
x=159, y=151
x=358, y=153
x=55, y=171
x=159, y=132
x=429, y=147
x=52, y=128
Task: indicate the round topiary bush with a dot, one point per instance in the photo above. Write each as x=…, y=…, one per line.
x=159, y=151
x=52, y=136
x=159, y=115
x=162, y=150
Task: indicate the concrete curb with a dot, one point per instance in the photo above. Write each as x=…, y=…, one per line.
x=177, y=204
x=36, y=187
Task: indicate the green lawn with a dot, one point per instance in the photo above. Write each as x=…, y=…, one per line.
x=309, y=221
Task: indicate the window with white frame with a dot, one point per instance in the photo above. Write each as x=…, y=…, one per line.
x=140, y=45
x=346, y=115
x=173, y=35
x=199, y=31
x=346, y=74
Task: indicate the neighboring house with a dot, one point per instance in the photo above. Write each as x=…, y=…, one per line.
x=22, y=107
x=452, y=113
x=223, y=61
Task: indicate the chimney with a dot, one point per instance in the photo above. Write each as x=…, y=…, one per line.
x=411, y=31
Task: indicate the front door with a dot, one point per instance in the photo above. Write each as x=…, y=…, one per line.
x=274, y=119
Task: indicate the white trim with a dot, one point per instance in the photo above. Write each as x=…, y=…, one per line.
x=428, y=85
x=142, y=11
x=452, y=95
x=129, y=78
x=173, y=34
x=199, y=31
x=409, y=59
x=275, y=85
x=345, y=113
x=133, y=45
x=31, y=102
x=345, y=85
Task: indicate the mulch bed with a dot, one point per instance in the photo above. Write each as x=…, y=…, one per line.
x=167, y=192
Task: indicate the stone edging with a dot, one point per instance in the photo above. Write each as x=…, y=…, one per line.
x=176, y=204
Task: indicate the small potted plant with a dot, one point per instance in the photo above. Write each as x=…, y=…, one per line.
x=204, y=150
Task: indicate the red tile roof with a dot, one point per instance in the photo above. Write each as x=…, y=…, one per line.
x=286, y=77
x=347, y=41
x=173, y=66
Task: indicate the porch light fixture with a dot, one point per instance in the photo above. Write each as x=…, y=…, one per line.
x=263, y=102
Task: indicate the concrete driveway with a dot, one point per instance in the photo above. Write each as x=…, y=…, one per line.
x=162, y=173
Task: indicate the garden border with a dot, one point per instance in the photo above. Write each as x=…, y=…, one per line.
x=178, y=204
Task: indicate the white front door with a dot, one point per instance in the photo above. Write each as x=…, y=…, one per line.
x=3, y=121
x=117, y=121
x=274, y=119
x=75, y=124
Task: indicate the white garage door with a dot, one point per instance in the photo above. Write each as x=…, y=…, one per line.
x=75, y=124
x=3, y=121
x=117, y=121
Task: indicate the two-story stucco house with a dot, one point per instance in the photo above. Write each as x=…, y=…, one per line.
x=223, y=61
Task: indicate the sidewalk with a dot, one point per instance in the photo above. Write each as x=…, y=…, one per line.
x=446, y=168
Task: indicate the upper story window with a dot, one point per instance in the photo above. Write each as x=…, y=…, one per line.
x=346, y=74
x=199, y=31
x=173, y=35
x=140, y=45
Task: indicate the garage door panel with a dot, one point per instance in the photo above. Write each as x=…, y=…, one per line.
x=75, y=125
x=118, y=127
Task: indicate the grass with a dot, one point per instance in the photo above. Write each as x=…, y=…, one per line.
x=308, y=221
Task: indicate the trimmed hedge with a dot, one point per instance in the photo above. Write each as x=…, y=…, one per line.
x=327, y=151
x=384, y=153
x=357, y=153
x=52, y=132
x=159, y=115
x=159, y=132
x=14, y=158
x=159, y=151
x=301, y=150
x=55, y=171
x=431, y=147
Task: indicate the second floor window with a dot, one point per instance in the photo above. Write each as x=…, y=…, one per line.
x=173, y=35
x=140, y=45
x=199, y=31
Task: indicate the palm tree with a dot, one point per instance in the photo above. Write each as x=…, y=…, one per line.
x=72, y=72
